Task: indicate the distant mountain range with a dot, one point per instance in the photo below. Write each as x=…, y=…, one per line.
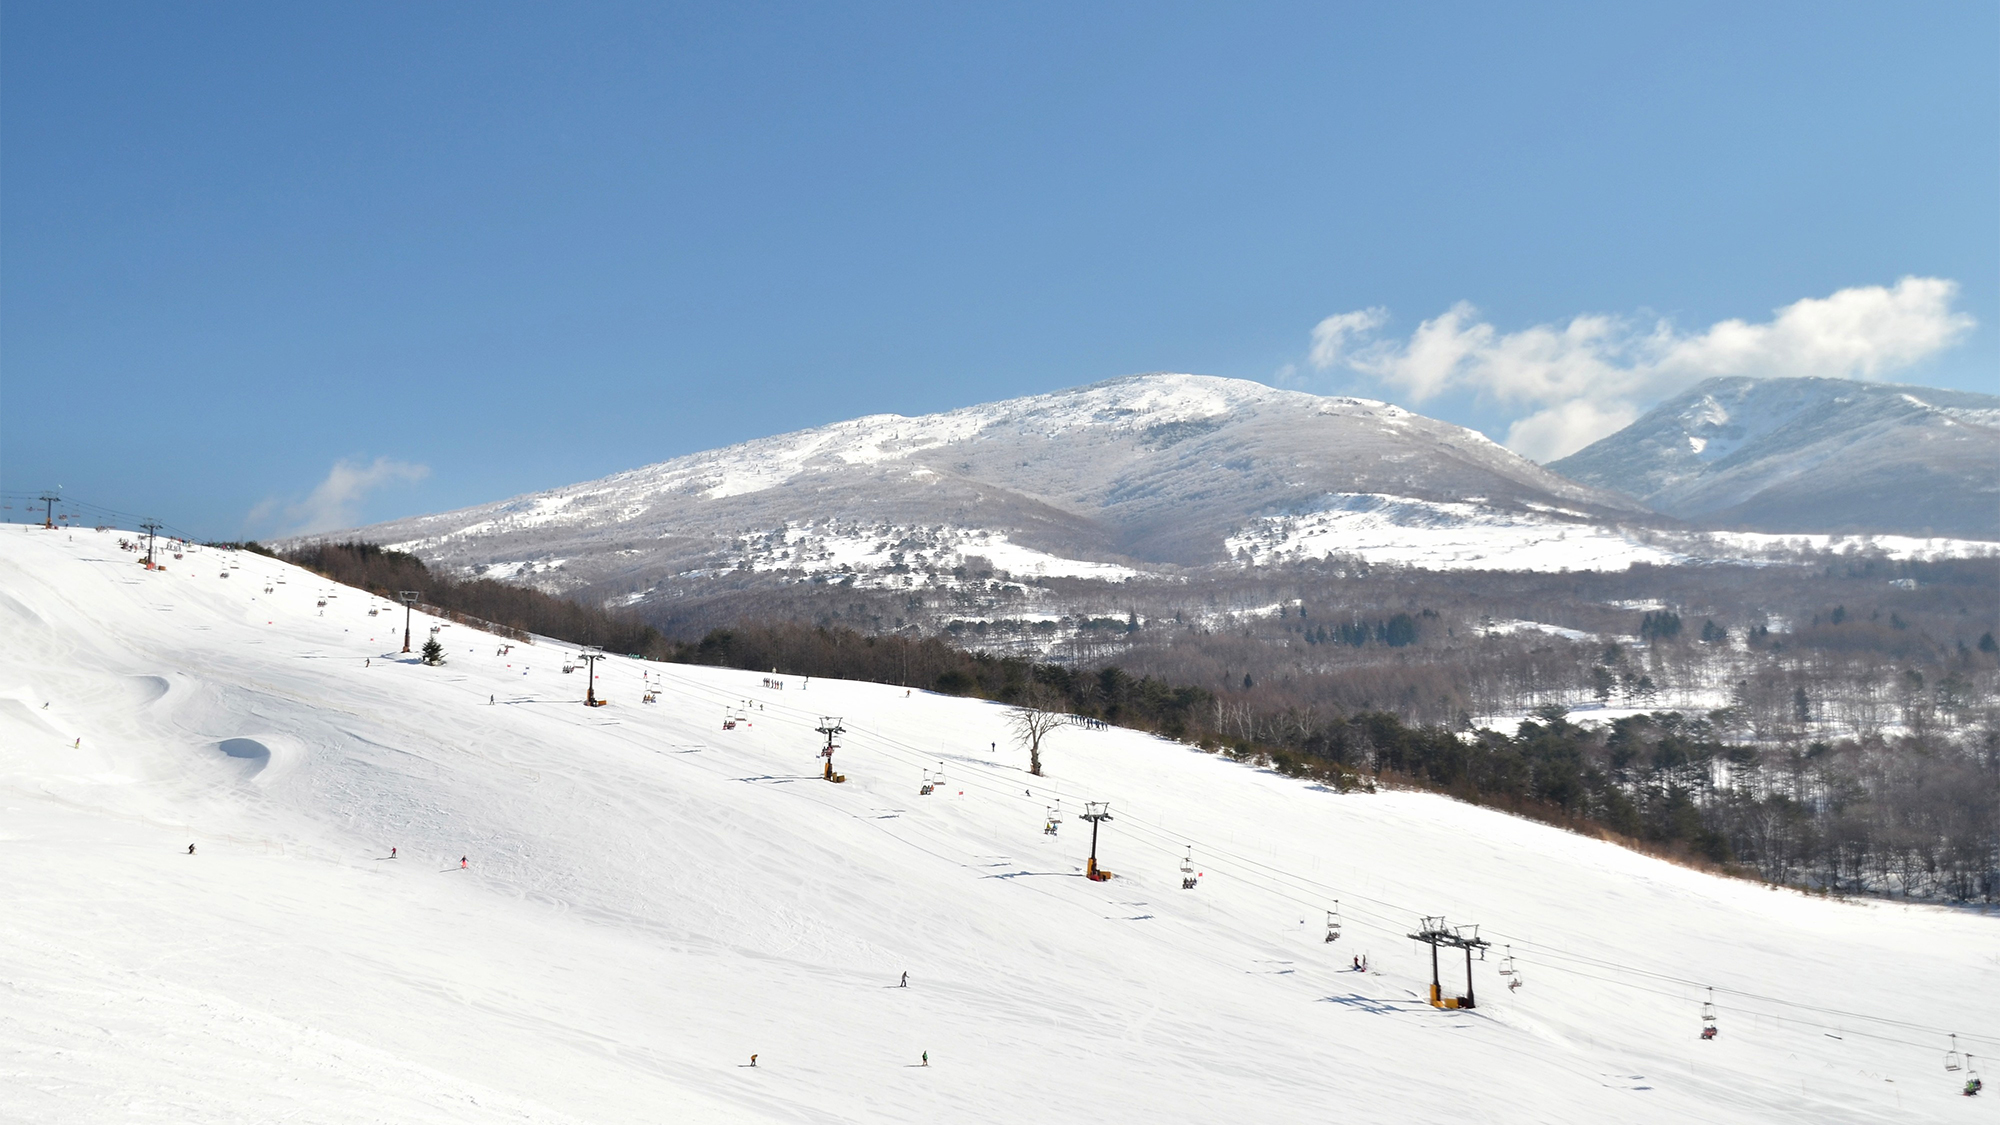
x=1132, y=474
x=1167, y=475
x=1810, y=455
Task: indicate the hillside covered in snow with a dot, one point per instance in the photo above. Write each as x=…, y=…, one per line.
x=1810, y=455
x=1142, y=473
x=263, y=866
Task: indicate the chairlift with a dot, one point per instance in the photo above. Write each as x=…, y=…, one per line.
x=1333, y=923
x=1973, y=1084
x=322, y=605
x=1708, y=1016
x=1054, y=820
x=928, y=787
x=1188, y=879
x=1508, y=970
x=1952, y=1059
x=650, y=697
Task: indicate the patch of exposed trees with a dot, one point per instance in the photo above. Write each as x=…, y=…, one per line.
x=385, y=572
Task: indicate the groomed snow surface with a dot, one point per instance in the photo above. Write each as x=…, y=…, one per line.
x=649, y=899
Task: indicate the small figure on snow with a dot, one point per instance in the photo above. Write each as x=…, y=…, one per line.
x=1357, y=962
x=392, y=853
x=79, y=744
x=489, y=699
x=927, y=1058
x=368, y=663
x=190, y=849
x=461, y=863
x=753, y=1060
x=906, y=980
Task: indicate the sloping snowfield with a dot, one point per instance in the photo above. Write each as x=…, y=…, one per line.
x=648, y=899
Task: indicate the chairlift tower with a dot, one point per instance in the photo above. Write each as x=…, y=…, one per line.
x=152, y=530
x=409, y=600
x=49, y=512
x=590, y=689
x=1095, y=812
x=1434, y=933
x=829, y=725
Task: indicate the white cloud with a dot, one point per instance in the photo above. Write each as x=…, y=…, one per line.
x=1330, y=336
x=336, y=501
x=1583, y=380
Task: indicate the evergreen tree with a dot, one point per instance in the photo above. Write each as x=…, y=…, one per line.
x=433, y=652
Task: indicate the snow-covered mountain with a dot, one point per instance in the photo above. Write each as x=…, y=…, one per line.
x=1810, y=455
x=1141, y=472
x=601, y=914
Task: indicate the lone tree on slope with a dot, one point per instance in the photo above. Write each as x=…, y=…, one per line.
x=433, y=652
x=1032, y=722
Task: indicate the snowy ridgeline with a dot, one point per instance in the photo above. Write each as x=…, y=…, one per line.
x=600, y=915
x=1400, y=530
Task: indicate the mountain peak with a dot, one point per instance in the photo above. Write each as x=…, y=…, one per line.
x=1810, y=454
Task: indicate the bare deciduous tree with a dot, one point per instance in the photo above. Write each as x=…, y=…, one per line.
x=1032, y=722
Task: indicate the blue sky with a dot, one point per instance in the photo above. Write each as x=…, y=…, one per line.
x=273, y=266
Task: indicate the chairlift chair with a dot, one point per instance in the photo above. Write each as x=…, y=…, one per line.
x=1952, y=1059
x=928, y=787
x=1054, y=820
x=1333, y=923
x=1708, y=1016
x=1187, y=871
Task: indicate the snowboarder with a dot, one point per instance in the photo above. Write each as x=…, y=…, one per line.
x=906, y=980
x=190, y=849
x=489, y=699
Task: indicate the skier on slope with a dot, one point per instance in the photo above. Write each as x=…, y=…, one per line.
x=906, y=980
x=461, y=863
x=190, y=849
x=392, y=853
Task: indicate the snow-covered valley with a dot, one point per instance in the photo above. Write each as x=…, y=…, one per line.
x=648, y=899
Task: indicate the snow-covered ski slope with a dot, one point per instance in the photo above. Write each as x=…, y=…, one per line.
x=649, y=899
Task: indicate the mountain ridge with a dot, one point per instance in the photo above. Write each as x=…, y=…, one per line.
x=1810, y=455
x=1151, y=470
